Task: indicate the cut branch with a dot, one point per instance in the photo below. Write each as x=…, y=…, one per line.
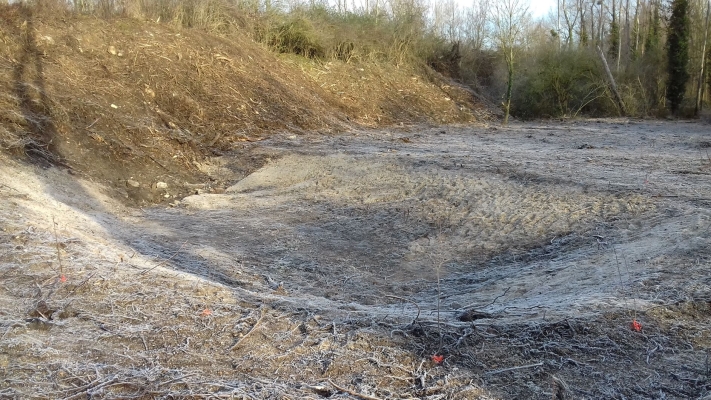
x=353, y=393
x=613, y=85
x=261, y=317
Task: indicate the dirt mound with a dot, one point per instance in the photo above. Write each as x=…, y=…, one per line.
x=139, y=105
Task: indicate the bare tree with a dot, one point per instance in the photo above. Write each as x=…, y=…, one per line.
x=448, y=20
x=583, y=33
x=510, y=18
x=475, y=24
x=571, y=14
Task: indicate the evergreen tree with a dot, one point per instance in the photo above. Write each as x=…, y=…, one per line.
x=651, y=42
x=583, y=32
x=708, y=63
x=614, y=39
x=678, y=54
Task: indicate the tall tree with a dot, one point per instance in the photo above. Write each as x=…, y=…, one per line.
x=510, y=18
x=702, y=72
x=583, y=27
x=628, y=38
x=708, y=57
x=614, y=49
x=653, y=39
x=614, y=39
x=678, y=54
x=635, y=47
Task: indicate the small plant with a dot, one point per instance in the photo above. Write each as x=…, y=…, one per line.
x=439, y=261
x=62, y=277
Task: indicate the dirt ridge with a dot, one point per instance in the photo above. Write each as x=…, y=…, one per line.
x=132, y=103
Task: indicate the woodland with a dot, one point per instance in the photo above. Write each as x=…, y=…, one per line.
x=642, y=58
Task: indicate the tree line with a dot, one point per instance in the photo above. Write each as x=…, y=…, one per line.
x=587, y=57
x=655, y=54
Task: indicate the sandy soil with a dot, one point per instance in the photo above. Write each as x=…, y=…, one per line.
x=541, y=241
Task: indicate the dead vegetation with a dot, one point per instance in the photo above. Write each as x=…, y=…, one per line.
x=95, y=328
x=123, y=99
x=315, y=276
x=242, y=295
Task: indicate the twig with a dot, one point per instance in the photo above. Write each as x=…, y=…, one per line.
x=466, y=334
x=438, y=269
x=649, y=353
x=159, y=163
x=619, y=274
x=85, y=387
x=561, y=391
x=409, y=301
x=79, y=286
x=56, y=242
x=176, y=379
x=94, y=388
x=11, y=188
x=498, y=371
x=247, y=334
x=492, y=302
x=92, y=124
x=353, y=393
x=636, y=290
x=439, y=302
x=215, y=139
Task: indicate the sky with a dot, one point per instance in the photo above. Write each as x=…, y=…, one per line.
x=540, y=8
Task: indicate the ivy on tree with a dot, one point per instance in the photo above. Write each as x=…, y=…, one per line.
x=678, y=54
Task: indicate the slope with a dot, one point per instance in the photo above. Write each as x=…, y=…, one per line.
x=141, y=106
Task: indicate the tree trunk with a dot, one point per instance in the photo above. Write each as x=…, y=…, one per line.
x=636, y=28
x=628, y=37
x=619, y=35
x=702, y=73
x=678, y=54
x=583, y=28
x=601, y=24
x=593, y=40
x=613, y=85
x=557, y=26
x=509, y=86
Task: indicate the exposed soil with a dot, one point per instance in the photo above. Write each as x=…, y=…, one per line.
x=318, y=275
x=130, y=103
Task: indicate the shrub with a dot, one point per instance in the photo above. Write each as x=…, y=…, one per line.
x=297, y=36
x=561, y=83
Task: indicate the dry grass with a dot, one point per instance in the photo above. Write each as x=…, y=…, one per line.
x=121, y=328
x=154, y=307
x=123, y=325
x=123, y=98
x=478, y=215
x=109, y=303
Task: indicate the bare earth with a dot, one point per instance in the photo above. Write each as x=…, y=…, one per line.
x=317, y=275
